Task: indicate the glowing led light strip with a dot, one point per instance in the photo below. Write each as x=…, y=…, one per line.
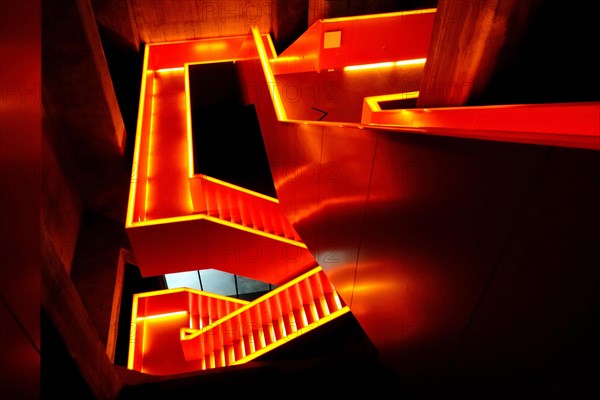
x=411, y=62
x=149, y=149
x=160, y=316
x=272, y=47
x=264, y=60
x=168, y=70
x=369, y=66
x=388, y=64
x=189, y=290
x=138, y=138
x=382, y=15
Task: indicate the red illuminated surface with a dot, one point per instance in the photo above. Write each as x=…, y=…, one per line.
x=157, y=318
x=183, y=330
x=332, y=176
x=235, y=230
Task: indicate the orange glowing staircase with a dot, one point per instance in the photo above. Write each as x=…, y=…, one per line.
x=240, y=206
x=184, y=330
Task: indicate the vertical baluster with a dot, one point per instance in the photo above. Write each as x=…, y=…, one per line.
x=277, y=316
x=308, y=301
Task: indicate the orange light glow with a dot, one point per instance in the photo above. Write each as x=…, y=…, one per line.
x=416, y=61
x=176, y=208
x=152, y=102
x=158, y=293
x=210, y=46
x=382, y=15
x=264, y=60
x=369, y=66
x=163, y=145
x=138, y=138
x=255, y=231
x=163, y=316
x=174, y=70
x=198, y=217
x=389, y=64
x=286, y=59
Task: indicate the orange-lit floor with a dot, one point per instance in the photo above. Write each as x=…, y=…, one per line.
x=340, y=93
x=168, y=142
x=165, y=356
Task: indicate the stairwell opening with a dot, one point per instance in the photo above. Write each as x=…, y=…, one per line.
x=226, y=135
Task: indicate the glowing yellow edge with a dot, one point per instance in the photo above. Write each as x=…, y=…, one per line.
x=218, y=221
x=147, y=191
x=385, y=64
x=238, y=188
x=165, y=315
x=272, y=47
x=413, y=61
x=189, y=290
x=132, y=333
x=167, y=70
x=136, y=153
x=373, y=101
x=250, y=305
x=188, y=116
x=382, y=15
x=264, y=60
x=286, y=339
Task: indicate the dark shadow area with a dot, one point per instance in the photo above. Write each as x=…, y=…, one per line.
x=336, y=358
x=125, y=66
x=60, y=377
x=553, y=62
x=343, y=335
x=227, y=139
x=397, y=104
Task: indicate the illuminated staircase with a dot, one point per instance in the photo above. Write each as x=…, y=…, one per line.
x=228, y=202
x=268, y=322
x=184, y=330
